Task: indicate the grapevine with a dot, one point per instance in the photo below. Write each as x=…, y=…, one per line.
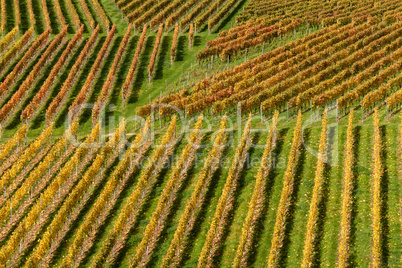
x=288, y=181
x=46, y=16
x=59, y=13
x=26, y=156
x=347, y=198
x=73, y=13
x=35, y=175
x=101, y=13
x=84, y=92
x=6, y=41
x=115, y=238
x=113, y=181
x=308, y=250
x=174, y=44
x=193, y=204
x=155, y=52
x=39, y=42
x=17, y=12
x=256, y=200
x=107, y=86
x=377, y=201
x=15, y=140
x=87, y=13
x=60, y=98
x=3, y=15
x=23, y=89
x=159, y=216
x=40, y=96
x=225, y=203
x=46, y=197
x=74, y=196
x=191, y=36
x=133, y=67
x=6, y=58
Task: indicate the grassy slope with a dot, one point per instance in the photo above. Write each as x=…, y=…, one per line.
x=173, y=76
x=244, y=194
x=39, y=20
x=10, y=20
x=37, y=86
x=329, y=242
x=24, y=16
x=54, y=21
x=302, y=207
x=393, y=189
x=122, y=199
x=363, y=232
x=54, y=90
x=264, y=235
x=203, y=222
x=362, y=220
x=149, y=207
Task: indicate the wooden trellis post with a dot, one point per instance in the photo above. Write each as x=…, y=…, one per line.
x=239, y=113
x=386, y=107
x=261, y=111
x=212, y=114
x=160, y=99
x=239, y=130
x=311, y=111
x=336, y=109
x=245, y=56
x=185, y=116
x=135, y=121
